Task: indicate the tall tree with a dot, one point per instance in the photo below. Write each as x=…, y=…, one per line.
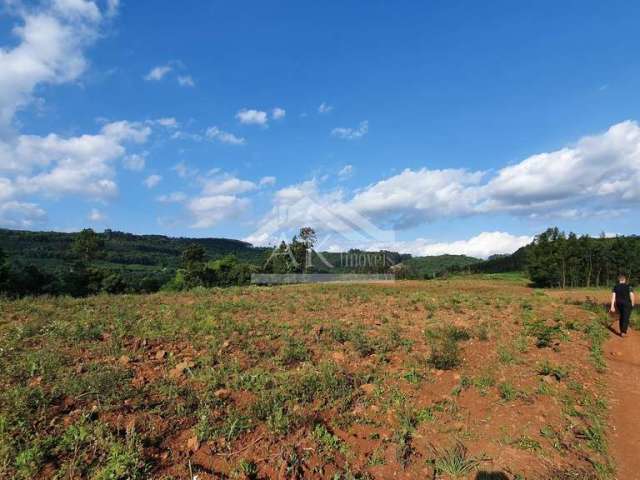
x=88, y=245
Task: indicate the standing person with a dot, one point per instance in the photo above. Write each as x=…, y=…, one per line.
x=623, y=299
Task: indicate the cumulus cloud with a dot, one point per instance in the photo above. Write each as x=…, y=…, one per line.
x=278, y=113
x=482, y=245
x=49, y=49
x=158, y=73
x=598, y=175
x=167, y=122
x=351, y=133
x=185, y=171
x=267, y=181
x=345, y=172
x=186, y=81
x=212, y=209
x=215, y=133
x=96, y=215
x=15, y=214
x=593, y=175
x=327, y=212
x=112, y=7
x=325, y=108
x=226, y=185
x=414, y=197
x=252, y=117
x=174, y=197
x=152, y=181
x=134, y=162
x=54, y=166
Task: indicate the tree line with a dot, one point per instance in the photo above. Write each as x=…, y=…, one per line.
x=560, y=260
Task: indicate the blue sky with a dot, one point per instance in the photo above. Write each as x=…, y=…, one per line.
x=463, y=127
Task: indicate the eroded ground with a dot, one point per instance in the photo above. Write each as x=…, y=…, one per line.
x=439, y=379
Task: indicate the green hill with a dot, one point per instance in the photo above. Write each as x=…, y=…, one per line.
x=432, y=266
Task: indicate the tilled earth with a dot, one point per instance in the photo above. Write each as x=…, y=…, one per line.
x=461, y=378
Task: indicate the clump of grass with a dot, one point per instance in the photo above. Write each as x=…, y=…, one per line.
x=248, y=469
x=293, y=351
x=597, y=334
x=508, y=392
x=445, y=354
x=544, y=334
x=506, y=355
x=454, y=461
x=124, y=460
x=547, y=368
x=482, y=332
x=363, y=344
x=484, y=382
x=327, y=441
x=527, y=443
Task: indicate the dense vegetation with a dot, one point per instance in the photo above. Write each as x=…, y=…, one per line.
x=85, y=263
x=79, y=264
x=559, y=260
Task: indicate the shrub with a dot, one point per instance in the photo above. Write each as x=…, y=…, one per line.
x=445, y=354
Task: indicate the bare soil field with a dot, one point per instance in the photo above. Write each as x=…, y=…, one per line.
x=460, y=378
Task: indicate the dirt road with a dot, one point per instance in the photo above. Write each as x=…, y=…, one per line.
x=623, y=358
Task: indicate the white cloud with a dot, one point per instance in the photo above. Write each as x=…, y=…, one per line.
x=325, y=108
x=112, y=7
x=185, y=171
x=186, y=81
x=134, y=162
x=180, y=135
x=158, y=73
x=126, y=131
x=167, y=122
x=51, y=40
x=224, y=137
x=351, y=133
x=596, y=174
x=252, y=117
x=83, y=165
x=227, y=186
x=278, y=113
x=345, y=172
x=152, y=181
x=414, y=197
x=481, y=246
x=267, y=181
x=211, y=210
x=96, y=215
x=15, y=214
x=327, y=212
x=174, y=197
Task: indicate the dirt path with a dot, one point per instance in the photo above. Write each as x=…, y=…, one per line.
x=623, y=358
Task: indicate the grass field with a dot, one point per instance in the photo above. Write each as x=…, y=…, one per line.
x=462, y=378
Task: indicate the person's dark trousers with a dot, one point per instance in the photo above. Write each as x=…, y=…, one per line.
x=625, y=314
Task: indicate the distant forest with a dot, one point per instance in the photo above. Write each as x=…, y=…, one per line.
x=85, y=263
x=559, y=260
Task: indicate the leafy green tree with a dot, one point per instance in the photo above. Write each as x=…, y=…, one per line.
x=295, y=256
x=88, y=245
x=193, y=254
x=113, y=283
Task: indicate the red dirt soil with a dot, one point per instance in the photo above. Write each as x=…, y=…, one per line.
x=623, y=357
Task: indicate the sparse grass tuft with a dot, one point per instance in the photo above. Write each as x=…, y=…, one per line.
x=455, y=461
